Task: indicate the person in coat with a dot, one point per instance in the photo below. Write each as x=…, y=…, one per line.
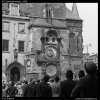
x=87, y=87
x=12, y=90
x=4, y=90
x=43, y=89
x=30, y=89
x=19, y=87
x=55, y=86
x=24, y=86
x=67, y=85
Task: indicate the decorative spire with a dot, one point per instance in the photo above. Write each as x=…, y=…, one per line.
x=74, y=9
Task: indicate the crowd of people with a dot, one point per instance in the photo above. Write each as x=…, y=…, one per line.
x=86, y=85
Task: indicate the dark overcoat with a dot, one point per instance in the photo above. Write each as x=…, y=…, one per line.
x=66, y=87
x=86, y=87
x=12, y=91
x=43, y=89
x=30, y=90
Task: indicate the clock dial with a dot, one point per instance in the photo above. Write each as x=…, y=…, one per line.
x=51, y=70
x=51, y=53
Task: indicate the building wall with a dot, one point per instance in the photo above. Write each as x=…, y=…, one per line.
x=9, y=36
x=35, y=9
x=65, y=61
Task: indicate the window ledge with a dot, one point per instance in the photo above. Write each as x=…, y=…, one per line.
x=21, y=52
x=21, y=32
x=5, y=51
x=5, y=31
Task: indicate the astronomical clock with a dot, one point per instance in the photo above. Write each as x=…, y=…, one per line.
x=50, y=53
x=50, y=56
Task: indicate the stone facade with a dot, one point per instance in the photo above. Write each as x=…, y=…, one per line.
x=68, y=26
x=67, y=61
x=10, y=36
x=8, y=61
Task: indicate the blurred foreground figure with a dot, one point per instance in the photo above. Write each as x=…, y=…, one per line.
x=66, y=86
x=12, y=90
x=30, y=88
x=4, y=90
x=43, y=89
x=87, y=86
x=24, y=87
x=81, y=74
x=55, y=86
x=18, y=85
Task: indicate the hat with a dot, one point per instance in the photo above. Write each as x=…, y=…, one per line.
x=69, y=74
x=90, y=67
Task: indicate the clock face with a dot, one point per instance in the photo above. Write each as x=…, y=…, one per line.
x=51, y=70
x=51, y=53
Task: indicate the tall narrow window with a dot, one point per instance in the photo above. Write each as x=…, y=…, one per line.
x=5, y=26
x=14, y=9
x=5, y=45
x=49, y=11
x=21, y=27
x=20, y=46
x=44, y=12
x=72, y=42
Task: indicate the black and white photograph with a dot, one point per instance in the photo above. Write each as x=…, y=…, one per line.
x=50, y=50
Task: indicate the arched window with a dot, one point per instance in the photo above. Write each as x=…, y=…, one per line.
x=72, y=43
x=79, y=42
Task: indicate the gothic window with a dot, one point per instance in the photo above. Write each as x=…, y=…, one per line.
x=72, y=41
x=14, y=9
x=48, y=11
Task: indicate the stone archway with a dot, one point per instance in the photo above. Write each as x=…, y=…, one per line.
x=15, y=71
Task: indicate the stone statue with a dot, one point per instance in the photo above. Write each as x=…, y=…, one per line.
x=15, y=54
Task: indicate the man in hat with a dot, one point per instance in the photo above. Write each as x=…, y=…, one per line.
x=81, y=74
x=67, y=85
x=87, y=86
